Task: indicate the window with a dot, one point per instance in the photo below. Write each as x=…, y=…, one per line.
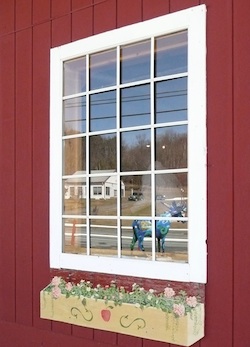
x=128, y=128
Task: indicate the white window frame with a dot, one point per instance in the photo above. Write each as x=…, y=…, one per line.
x=194, y=20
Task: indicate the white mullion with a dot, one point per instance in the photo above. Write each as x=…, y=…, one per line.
x=118, y=157
x=88, y=192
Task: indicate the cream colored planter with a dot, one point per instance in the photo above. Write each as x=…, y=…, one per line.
x=150, y=323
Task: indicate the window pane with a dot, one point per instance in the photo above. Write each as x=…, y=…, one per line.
x=74, y=198
x=171, y=100
x=103, y=69
x=74, y=76
x=137, y=198
x=101, y=203
x=103, y=152
x=171, y=54
x=74, y=236
x=170, y=188
x=103, y=237
x=130, y=244
x=171, y=147
x=74, y=111
x=135, y=62
x=135, y=106
x=74, y=156
x=176, y=243
x=135, y=150
x=103, y=111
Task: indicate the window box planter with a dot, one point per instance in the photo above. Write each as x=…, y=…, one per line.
x=177, y=327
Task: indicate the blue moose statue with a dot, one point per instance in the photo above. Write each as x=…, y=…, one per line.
x=143, y=228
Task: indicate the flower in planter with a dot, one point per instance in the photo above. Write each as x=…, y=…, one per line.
x=167, y=301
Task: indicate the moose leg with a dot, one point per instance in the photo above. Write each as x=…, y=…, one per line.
x=134, y=239
x=159, y=244
x=163, y=244
x=140, y=243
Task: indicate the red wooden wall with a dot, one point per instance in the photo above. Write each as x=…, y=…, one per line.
x=28, y=29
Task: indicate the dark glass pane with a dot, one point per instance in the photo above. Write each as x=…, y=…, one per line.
x=171, y=100
x=74, y=80
x=171, y=54
x=74, y=236
x=137, y=198
x=135, y=62
x=103, y=69
x=103, y=111
x=103, y=193
x=103, y=152
x=74, y=111
x=135, y=106
x=171, y=147
x=74, y=158
x=135, y=150
x=74, y=197
x=170, y=188
x=103, y=237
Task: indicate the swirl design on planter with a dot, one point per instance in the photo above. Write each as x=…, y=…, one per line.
x=87, y=315
x=124, y=322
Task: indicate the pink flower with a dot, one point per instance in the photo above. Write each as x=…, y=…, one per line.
x=68, y=286
x=56, y=281
x=56, y=292
x=179, y=310
x=191, y=301
x=169, y=292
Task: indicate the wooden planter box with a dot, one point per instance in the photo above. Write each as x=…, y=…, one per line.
x=150, y=323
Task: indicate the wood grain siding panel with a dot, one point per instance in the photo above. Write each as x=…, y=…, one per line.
x=82, y=23
x=178, y=5
x=7, y=181
x=128, y=12
x=41, y=68
x=7, y=16
x=81, y=4
x=104, y=15
x=219, y=306
x=61, y=30
x=23, y=133
x=41, y=11
x=60, y=8
x=241, y=171
x=160, y=8
x=23, y=14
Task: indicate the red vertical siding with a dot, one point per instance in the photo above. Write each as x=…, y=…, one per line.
x=241, y=171
x=40, y=168
x=220, y=175
x=28, y=29
x=7, y=181
x=23, y=14
x=128, y=12
x=104, y=15
x=23, y=136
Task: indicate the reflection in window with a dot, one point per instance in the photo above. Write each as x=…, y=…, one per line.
x=135, y=106
x=74, y=111
x=103, y=152
x=171, y=100
x=74, y=155
x=103, y=69
x=103, y=111
x=120, y=149
x=135, y=150
x=171, y=54
x=135, y=62
x=74, y=76
x=171, y=147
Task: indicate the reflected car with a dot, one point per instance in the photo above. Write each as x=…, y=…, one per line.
x=160, y=197
x=135, y=196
